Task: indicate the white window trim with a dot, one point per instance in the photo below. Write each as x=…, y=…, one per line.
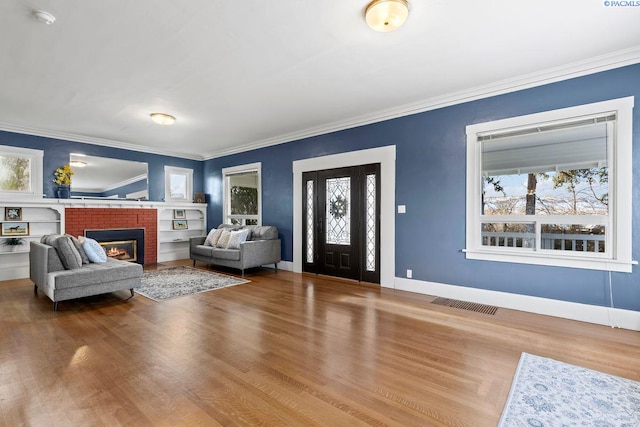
x=251, y=167
x=36, y=172
x=172, y=170
x=619, y=189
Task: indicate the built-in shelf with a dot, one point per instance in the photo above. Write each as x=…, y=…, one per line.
x=174, y=243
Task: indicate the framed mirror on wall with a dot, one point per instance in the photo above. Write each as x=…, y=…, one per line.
x=107, y=178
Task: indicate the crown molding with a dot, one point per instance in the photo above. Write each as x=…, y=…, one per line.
x=575, y=69
x=67, y=136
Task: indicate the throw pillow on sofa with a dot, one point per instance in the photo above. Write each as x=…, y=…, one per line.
x=94, y=251
x=237, y=237
x=78, y=245
x=223, y=241
x=213, y=237
x=67, y=252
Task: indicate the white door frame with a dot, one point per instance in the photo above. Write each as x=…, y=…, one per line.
x=386, y=156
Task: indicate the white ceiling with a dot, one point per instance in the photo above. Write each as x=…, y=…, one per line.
x=244, y=74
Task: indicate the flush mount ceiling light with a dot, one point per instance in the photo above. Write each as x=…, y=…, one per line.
x=386, y=15
x=162, y=118
x=45, y=17
x=77, y=163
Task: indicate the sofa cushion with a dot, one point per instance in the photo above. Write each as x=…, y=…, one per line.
x=263, y=232
x=236, y=238
x=227, y=254
x=66, y=250
x=202, y=250
x=94, y=251
x=79, y=248
x=223, y=241
x=96, y=274
x=213, y=237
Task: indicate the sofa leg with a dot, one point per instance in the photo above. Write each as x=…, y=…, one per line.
x=243, y=272
x=55, y=306
x=276, y=264
x=35, y=289
x=194, y=262
x=131, y=292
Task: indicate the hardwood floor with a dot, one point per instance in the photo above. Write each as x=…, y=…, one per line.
x=283, y=350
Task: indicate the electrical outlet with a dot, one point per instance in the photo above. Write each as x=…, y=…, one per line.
x=409, y=274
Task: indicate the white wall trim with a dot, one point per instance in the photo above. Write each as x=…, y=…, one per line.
x=386, y=156
x=614, y=317
x=551, y=75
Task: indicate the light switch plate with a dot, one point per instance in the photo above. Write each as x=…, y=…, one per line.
x=402, y=209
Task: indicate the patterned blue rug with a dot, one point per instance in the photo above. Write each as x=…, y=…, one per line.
x=160, y=285
x=549, y=393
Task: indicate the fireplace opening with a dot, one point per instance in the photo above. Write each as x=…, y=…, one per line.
x=126, y=244
x=124, y=250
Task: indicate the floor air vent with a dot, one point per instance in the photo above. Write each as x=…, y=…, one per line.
x=465, y=305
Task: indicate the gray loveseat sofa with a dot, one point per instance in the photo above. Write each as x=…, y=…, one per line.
x=48, y=273
x=261, y=248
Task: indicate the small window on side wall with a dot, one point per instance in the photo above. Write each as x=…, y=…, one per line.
x=243, y=194
x=20, y=172
x=178, y=184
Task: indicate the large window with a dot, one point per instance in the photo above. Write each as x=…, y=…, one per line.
x=243, y=195
x=178, y=184
x=552, y=188
x=20, y=172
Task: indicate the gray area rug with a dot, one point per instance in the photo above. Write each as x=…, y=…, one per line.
x=546, y=392
x=160, y=285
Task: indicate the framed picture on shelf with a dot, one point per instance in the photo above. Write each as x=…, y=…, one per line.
x=12, y=214
x=180, y=224
x=179, y=214
x=15, y=228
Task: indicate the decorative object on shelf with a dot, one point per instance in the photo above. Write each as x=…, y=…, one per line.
x=179, y=214
x=12, y=214
x=180, y=224
x=338, y=207
x=63, y=179
x=15, y=228
x=13, y=243
x=198, y=198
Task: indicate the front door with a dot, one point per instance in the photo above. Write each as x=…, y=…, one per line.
x=341, y=222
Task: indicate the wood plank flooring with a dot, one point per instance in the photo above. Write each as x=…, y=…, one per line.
x=284, y=350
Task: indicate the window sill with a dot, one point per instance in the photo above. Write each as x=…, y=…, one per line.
x=551, y=260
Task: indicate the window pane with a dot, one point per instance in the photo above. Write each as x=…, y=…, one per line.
x=178, y=184
x=310, y=230
x=512, y=235
x=338, y=211
x=558, y=172
x=15, y=174
x=371, y=223
x=243, y=197
x=573, y=237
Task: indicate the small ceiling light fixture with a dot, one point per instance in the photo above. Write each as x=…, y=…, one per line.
x=386, y=15
x=162, y=118
x=77, y=163
x=45, y=17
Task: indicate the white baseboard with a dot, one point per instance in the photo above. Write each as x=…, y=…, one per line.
x=615, y=317
x=282, y=265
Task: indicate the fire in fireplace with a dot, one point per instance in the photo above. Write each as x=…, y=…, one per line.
x=126, y=244
x=125, y=250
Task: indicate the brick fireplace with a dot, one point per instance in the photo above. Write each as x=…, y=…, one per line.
x=80, y=219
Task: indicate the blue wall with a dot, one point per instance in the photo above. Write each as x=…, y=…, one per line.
x=431, y=181
x=56, y=154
